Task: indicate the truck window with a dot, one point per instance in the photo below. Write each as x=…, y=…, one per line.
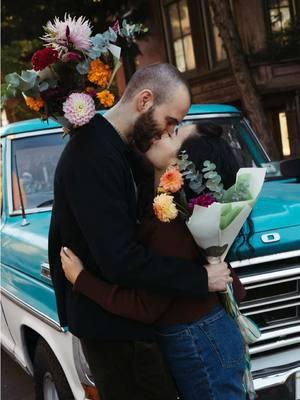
x=36, y=159
x=232, y=133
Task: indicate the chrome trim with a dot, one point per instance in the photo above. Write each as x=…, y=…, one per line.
x=263, y=259
x=273, y=282
x=10, y=138
x=212, y=115
x=270, y=276
x=33, y=311
x=266, y=238
x=279, y=332
x=261, y=302
x=45, y=271
x=275, y=379
x=264, y=310
x=274, y=345
x=13, y=136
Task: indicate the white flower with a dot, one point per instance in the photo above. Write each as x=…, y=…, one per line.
x=68, y=34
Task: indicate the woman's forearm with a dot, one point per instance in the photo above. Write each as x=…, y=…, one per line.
x=135, y=304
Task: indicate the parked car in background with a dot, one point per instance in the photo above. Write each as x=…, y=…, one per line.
x=266, y=255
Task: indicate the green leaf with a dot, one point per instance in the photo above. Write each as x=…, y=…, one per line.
x=228, y=214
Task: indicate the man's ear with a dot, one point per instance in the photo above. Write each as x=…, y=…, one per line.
x=144, y=100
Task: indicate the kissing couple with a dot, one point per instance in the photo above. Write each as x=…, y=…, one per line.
x=137, y=292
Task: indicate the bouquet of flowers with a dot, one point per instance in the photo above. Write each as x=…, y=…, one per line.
x=72, y=74
x=214, y=218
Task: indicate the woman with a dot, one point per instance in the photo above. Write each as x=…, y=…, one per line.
x=200, y=342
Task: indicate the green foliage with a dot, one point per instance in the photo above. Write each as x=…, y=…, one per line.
x=213, y=180
x=228, y=214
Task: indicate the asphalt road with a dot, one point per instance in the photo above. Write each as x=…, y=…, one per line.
x=16, y=384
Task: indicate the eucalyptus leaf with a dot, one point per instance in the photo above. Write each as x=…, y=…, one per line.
x=83, y=67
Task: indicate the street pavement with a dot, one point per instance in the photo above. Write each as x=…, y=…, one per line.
x=17, y=385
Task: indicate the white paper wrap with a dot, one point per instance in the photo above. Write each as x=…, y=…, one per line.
x=209, y=228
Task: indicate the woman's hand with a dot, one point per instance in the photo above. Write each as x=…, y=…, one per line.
x=71, y=264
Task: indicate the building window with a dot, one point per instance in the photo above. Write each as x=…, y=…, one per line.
x=220, y=53
x=280, y=14
x=286, y=149
x=178, y=19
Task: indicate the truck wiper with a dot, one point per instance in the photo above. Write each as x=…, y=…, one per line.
x=45, y=203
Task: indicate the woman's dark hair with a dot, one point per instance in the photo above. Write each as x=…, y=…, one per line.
x=207, y=143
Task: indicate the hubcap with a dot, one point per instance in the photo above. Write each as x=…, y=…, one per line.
x=49, y=389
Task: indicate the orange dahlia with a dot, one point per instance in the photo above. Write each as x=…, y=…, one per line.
x=106, y=98
x=171, y=180
x=34, y=104
x=164, y=207
x=99, y=73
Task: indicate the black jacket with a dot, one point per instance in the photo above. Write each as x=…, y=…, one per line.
x=95, y=215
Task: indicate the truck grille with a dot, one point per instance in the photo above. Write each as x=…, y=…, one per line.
x=273, y=300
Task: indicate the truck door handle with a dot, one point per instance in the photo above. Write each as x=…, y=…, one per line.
x=45, y=271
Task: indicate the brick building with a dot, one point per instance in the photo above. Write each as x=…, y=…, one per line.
x=182, y=32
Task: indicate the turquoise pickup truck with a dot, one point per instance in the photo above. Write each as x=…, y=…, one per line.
x=266, y=255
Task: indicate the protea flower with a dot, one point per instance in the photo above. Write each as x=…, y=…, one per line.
x=71, y=33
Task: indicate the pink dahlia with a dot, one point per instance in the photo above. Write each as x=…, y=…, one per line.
x=71, y=33
x=203, y=200
x=79, y=109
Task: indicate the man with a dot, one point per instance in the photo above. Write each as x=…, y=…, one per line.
x=95, y=215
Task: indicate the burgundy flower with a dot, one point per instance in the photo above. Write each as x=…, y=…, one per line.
x=42, y=58
x=71, y=56
x=53, y=93
x=203, y=200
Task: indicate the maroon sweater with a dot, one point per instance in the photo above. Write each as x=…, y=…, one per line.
x=169, y=239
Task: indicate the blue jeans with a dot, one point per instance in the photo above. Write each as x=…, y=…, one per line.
x=205, y=357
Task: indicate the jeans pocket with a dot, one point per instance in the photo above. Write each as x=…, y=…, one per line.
x=226, y=340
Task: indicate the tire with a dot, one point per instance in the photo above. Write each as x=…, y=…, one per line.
x=50, y=382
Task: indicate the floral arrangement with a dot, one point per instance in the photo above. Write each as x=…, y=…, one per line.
x=214, y=217
x=71, y=76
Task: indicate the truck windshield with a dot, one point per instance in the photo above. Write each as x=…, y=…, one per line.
x=246, y=147
x=36, y=158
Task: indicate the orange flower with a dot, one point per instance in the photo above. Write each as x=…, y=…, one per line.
x=171, y=180
x=106, y=98
x=99, y=73
x=34, y=104
x=164, y=207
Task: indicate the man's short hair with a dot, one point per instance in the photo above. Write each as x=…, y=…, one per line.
x=161, y=79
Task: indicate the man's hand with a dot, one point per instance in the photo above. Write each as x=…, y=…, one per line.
x=71, y=264
x=218, y=277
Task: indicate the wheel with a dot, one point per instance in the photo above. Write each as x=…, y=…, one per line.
x=49, y=378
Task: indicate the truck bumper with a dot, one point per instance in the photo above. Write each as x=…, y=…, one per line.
x=278, y=369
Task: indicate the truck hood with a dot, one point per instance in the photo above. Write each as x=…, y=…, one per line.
x=274, y=224
x=278, y=206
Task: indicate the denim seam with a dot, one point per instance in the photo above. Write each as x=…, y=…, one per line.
x=203, y=364
x=214, y=345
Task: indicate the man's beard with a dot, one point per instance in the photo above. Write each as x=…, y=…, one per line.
x=145, y=129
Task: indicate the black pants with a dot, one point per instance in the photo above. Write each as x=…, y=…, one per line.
x=128, y=370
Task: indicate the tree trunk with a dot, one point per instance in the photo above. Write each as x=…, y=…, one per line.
x=251, y=100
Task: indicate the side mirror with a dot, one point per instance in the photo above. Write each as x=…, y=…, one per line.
x=290, y=168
